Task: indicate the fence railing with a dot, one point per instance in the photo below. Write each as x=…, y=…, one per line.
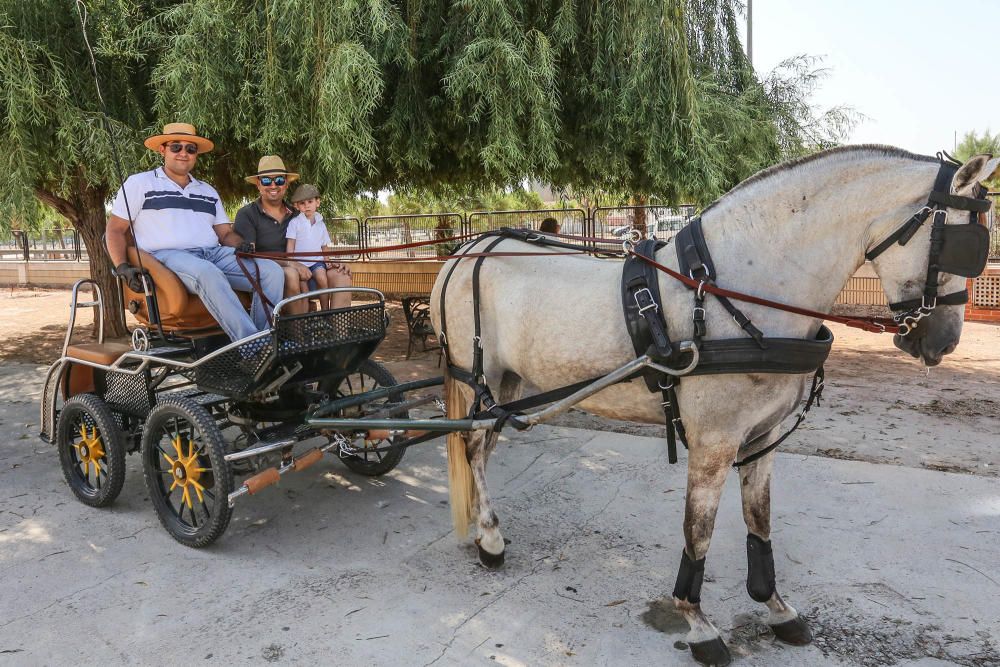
x=365, y=236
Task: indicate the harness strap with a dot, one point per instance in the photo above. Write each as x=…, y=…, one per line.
x=815, y=393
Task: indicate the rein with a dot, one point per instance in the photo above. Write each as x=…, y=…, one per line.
x=870, y=324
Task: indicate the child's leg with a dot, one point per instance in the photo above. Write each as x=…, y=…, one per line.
x=319, y=275
x=338, y=278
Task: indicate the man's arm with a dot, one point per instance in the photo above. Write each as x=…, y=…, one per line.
x=116, y=239
x=228, y=236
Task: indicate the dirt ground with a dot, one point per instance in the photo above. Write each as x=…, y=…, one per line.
x=880, y=405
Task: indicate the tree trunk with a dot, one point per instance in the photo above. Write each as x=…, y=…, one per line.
x=639, y=214
x=85, y=210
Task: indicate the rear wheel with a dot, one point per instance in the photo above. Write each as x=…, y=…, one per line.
x=188, y=479
x=91, y=450
x=370, y=375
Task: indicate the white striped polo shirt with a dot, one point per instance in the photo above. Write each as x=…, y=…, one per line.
x=166, y=216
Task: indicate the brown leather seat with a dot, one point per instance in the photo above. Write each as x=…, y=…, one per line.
x=180, y=311
x=98, y=353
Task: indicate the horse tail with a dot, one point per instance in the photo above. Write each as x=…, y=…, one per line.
x=461, y=490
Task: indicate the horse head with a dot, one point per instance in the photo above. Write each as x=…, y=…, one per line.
x=924, y=267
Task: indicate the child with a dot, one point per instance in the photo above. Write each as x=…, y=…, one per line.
x=307, y=233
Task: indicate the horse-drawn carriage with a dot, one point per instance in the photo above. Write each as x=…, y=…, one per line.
x=211, y=419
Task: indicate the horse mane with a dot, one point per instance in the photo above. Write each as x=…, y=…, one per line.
x=877, y=150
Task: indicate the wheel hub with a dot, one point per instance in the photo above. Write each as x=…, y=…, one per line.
x=90, y=449
x=186, y=471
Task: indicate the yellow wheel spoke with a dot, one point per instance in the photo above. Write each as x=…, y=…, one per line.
x=187, y=498
x=174, y=485
x=176, y=442
x=197, y=489
x=169, y=460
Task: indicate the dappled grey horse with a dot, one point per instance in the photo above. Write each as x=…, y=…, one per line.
x=794, y=233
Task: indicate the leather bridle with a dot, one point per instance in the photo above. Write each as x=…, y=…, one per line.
x=961, y=249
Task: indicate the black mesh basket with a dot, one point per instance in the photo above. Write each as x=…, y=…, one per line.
x=309, y=332
x=236, y=371
x=323, y=342
x=126, y=392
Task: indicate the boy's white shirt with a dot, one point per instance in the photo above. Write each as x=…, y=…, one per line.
x=309, y=236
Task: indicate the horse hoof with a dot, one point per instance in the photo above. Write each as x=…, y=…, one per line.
x=491, y=561
x=795, y=632
x=711, y=652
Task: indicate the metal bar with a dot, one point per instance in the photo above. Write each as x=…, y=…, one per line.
x=287, y=467
x=452, y=425
x=351, y=401
x=257, y=451
x=436, y=425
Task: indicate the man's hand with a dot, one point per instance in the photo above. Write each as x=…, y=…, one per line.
x=304, y=273
x=132, y=276
x=247, y=247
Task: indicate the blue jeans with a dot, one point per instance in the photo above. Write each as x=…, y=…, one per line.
x=213, y=274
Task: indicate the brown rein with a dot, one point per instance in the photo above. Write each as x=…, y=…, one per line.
x=870, y=324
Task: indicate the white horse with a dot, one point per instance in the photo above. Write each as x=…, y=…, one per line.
x=794, y=233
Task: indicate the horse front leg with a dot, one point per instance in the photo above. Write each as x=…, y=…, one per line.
x=755, y=483
x=707, y=470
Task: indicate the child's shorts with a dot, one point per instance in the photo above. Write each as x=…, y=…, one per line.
x=312, y=281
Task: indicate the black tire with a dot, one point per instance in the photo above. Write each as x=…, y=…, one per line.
x=370, y=375
x=197, y=469
x=88, y=435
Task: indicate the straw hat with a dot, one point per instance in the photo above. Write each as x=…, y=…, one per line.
x=179, y=132
x=271, y=165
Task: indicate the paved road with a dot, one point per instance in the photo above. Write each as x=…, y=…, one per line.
x=891, y=564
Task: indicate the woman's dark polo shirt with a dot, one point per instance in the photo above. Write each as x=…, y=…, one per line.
x=256, y=226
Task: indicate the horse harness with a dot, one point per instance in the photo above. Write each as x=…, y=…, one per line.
x=960, y=250
x=955, y=249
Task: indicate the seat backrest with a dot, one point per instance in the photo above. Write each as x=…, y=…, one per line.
x=179, y=309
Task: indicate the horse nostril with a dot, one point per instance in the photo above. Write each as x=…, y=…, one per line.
x=947, y=349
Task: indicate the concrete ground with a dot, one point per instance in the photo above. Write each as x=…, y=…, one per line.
x=891, y=565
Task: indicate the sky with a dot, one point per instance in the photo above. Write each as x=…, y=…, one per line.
x=920, y=70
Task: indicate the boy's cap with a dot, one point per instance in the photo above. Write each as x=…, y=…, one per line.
x=304, y=192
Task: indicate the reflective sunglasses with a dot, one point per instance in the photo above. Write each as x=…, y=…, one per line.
x=267, y=180
x=191, y=149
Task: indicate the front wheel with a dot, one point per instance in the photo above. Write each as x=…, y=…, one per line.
x=370, y=375
x=188, y=479
x=91, y=450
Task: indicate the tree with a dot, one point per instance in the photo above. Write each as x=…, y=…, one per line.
x=56, y=150
x=650, y=99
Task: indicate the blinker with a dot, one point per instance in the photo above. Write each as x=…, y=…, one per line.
x=964, y=250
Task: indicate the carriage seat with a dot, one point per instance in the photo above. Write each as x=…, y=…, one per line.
x=180, y=311
x=98, y=353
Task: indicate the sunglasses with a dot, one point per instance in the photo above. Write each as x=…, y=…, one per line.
x=191, y=149
x=267, y=180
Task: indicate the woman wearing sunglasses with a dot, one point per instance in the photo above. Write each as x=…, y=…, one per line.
x=264, y=222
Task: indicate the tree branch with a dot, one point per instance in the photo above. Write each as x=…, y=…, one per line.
x=64, y=207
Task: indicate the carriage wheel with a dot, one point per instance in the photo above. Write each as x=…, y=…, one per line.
x=370, y=375
x=91, y=450
x=188, y=479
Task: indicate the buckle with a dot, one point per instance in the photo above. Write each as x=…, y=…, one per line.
x=924, y=304
x=651, y=304
x=698, y=314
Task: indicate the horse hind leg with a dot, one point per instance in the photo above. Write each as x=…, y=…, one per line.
x=707, y=470
x=489, y=541
x=755, y=483
x=467, y=458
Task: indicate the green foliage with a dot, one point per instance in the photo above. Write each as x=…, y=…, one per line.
x=973, y=143
x=460, y=98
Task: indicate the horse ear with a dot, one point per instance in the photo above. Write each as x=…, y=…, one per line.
x=978, y=168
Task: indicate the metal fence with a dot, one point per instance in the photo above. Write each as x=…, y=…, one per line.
x=44, y=245
x=365, y=236
x=389, y=230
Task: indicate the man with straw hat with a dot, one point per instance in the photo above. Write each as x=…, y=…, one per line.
x=264, y=222
x=182, y=223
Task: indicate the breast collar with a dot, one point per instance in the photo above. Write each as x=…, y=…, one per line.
x=960, y=250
